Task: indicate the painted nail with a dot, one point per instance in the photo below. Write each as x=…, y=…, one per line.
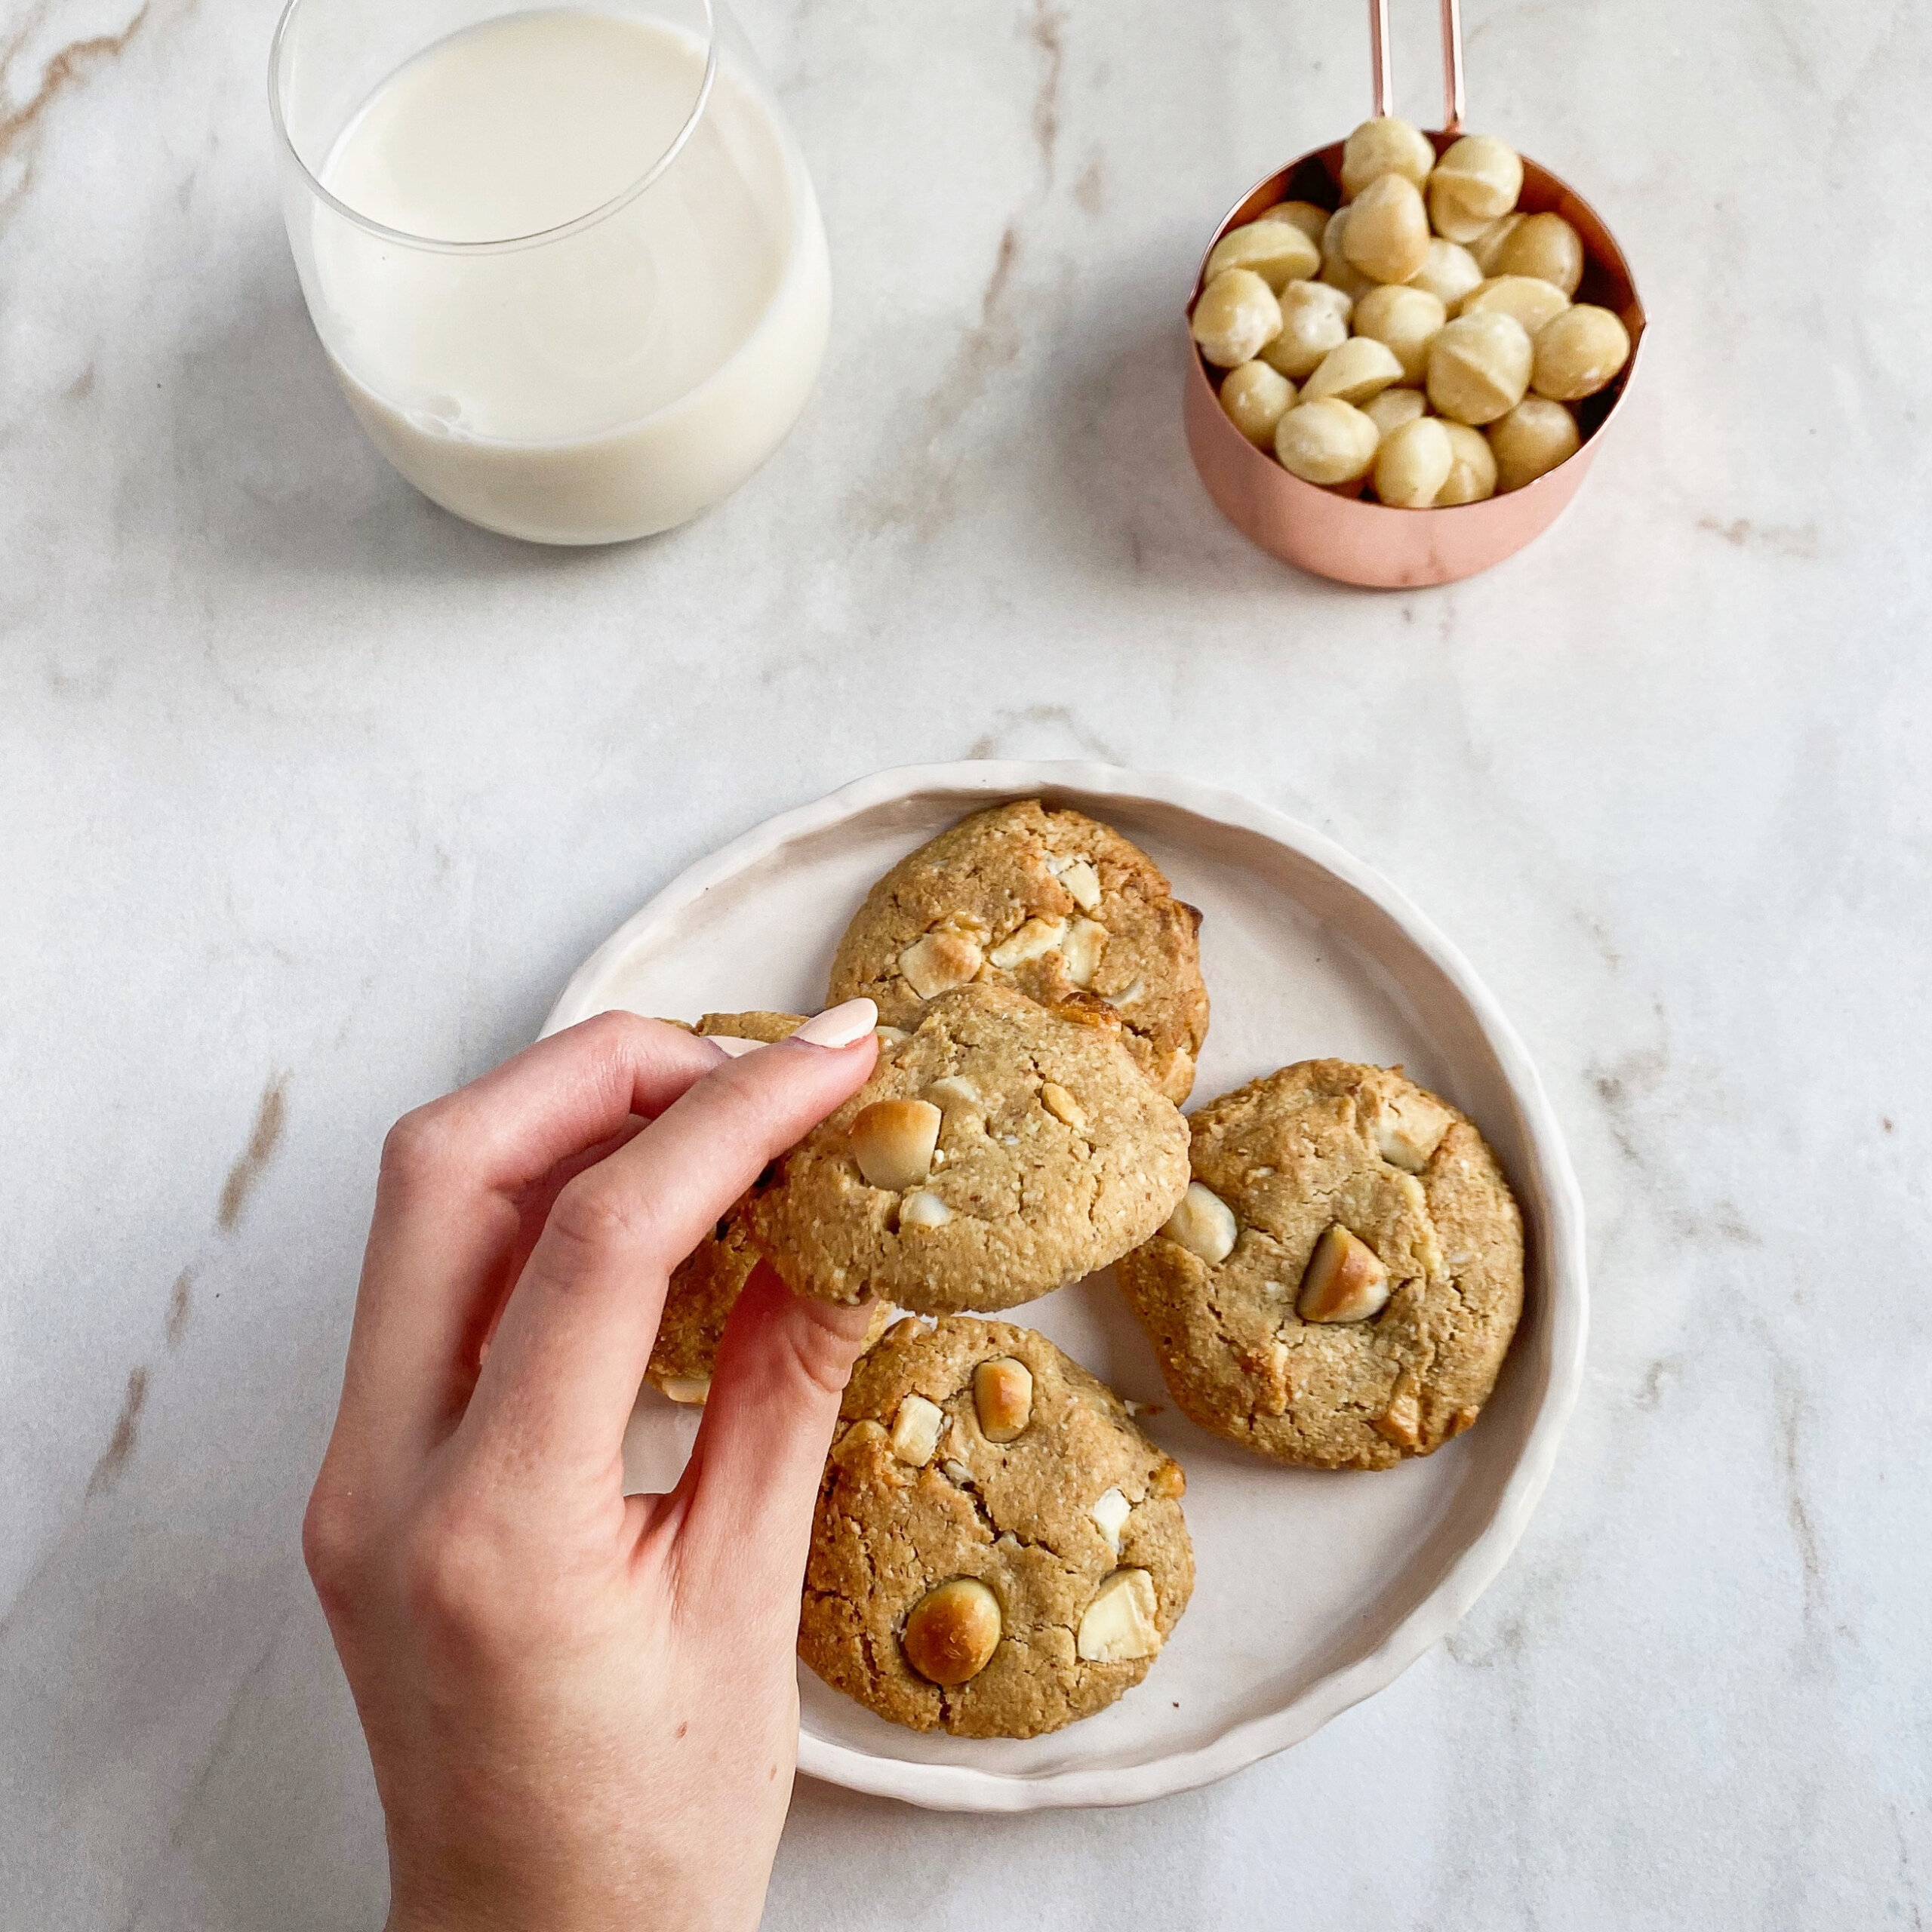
x=840, y=1026
x=731, y=1046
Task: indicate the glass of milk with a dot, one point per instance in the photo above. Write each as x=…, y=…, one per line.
x=566, y=260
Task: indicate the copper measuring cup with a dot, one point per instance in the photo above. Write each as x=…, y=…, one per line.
x=1354, y=542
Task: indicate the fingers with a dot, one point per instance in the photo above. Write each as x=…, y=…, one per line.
x=760, y=1452
x=455, y=1176
x=569, y=1352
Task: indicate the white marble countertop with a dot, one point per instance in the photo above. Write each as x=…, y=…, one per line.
x=311, y=797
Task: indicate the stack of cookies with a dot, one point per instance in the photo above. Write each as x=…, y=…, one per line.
x=1328, y=1261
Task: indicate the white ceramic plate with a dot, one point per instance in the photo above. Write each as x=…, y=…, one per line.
x=1314, y=1588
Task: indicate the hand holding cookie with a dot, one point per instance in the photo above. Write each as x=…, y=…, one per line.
x=577, y=1701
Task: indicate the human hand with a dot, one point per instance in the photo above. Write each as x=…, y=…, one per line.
x=581, y=1707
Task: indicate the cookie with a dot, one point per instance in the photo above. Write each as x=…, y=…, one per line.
x=1342, y=1281
x=998, y=1550
x=1046, y=900
x=709, y=1280
x=1002, y=1150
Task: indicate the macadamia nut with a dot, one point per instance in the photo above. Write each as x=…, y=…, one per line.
x=1393, y=407
x=951, y=1632
x=1276, y=250
x=1326, y=442
x=1336, y=270
x=1404, y=319
x=1412, y=464
x=1532, y=302
x=1314, y=319
x=1256, y=398
x=1484, y=249
x=1448, y=273
x=1471, y=469
x=1544, y=246
x=1578, y=352
x=1386, y=235
x=1236, y=317
x=1531, y=441
x=1476, y=182
x=1360, y=368
x=1385, y=145
x=1306, y=216
x=1479, y=367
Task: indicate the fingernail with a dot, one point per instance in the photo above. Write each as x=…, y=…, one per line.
x=840, y=1026
x=731, y=1046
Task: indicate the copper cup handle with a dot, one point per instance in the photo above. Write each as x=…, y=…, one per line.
x=1452, y=62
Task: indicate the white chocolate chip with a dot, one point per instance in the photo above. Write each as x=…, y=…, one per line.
x=893, y=1141
x=1409, y=1129
x=1119, y=1626
x=1037, y=936
x=1345, y=1281
x=691, y=1389
x=939, y=961
x=1111, y=1511
x=923, y=1211
x=1203, y=1224
x=1128, y=995
x=889, y=1037
x=1062, y=1105
x=957, y=1472
x=1085, y=941
x=915, y=1430
x=1083, y=883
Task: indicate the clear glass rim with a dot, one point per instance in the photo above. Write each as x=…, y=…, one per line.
x=505, y=245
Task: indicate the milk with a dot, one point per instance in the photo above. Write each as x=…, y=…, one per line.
x=597, y=385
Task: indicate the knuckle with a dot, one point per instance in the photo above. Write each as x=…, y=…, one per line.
x=450, y=1574
x=333, y=1544
x=594, y=1219
x=423, y=1148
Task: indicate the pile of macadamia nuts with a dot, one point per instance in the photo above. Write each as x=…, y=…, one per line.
x=1421, y=340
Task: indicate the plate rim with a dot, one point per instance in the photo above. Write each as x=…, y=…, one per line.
x=1559, y=1203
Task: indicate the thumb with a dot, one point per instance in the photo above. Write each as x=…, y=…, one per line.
x=754, y=1475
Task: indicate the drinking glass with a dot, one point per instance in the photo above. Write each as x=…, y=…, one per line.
x=565, y=260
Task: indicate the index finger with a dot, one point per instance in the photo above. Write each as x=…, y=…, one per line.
x=447, y=1210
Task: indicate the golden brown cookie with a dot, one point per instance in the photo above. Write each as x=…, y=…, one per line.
x=998, y=1550
x=709, y=1280
x=1046, y=900
x=1002, y=1150
x=1342, y=1281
